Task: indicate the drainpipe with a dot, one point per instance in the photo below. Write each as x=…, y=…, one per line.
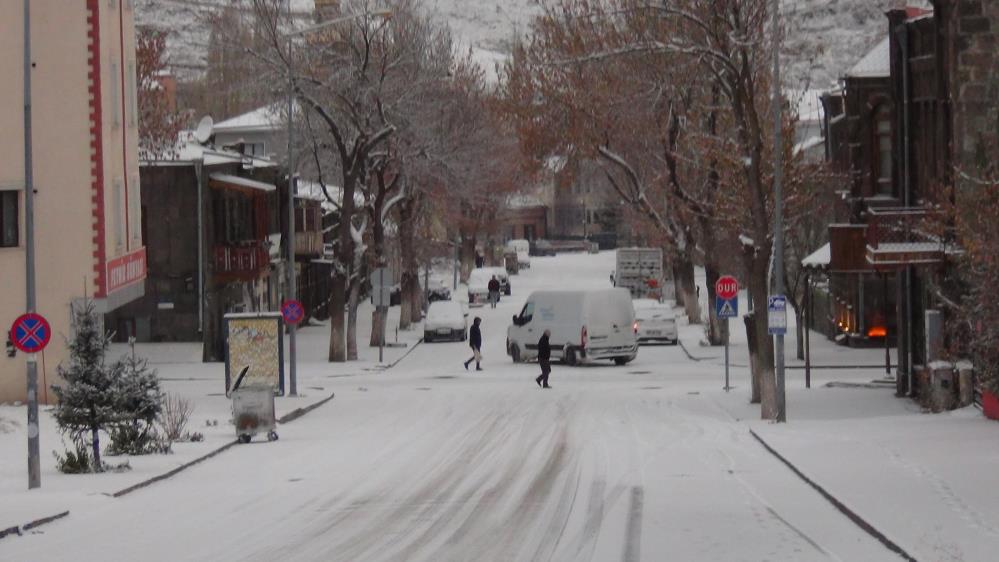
x=199, y=174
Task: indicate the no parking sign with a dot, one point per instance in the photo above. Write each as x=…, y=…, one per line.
x=30, y=332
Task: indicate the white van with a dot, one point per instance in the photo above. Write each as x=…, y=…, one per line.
x=585, y=326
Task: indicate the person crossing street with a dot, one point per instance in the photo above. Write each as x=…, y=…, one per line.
x=494, y=291
x=544, y=359
x=475, y=342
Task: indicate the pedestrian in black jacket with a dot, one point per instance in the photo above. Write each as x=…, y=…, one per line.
x=544, y=359
x=494, y=291
x=475, y=342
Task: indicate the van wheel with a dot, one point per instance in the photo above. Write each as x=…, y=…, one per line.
x=621, y=361
x=570, y=357
x=515, y=353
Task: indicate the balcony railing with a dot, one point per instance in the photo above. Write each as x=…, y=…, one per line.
x=243, y=261
x=903, y=236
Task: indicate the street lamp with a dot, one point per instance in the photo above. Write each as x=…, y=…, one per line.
x=293, y=178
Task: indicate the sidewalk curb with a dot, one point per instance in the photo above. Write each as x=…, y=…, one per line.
x=291, y=416
x=299, y=412
x=839, y=505
x=19, y=530
x=405, y=355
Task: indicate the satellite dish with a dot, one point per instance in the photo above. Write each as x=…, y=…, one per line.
x=205, y=129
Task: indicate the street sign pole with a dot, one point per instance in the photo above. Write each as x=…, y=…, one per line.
x=727, y=306
x=34, y=466
x=727, y=387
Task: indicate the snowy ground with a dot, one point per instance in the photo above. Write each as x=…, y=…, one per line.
x=426, y=461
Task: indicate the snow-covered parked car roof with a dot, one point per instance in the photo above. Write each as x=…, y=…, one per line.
x=445, y=314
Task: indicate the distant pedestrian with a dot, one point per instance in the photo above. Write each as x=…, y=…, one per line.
x=480, y=260
x=494, y=291
x=544, y=359
x=475, y=342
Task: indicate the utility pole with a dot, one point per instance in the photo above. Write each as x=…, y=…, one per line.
x=779, y=204
x=292, y=185
x=34, y=466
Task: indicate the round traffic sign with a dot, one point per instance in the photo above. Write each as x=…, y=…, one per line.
x=292, y=311
x=727, y=287
x=30, y=333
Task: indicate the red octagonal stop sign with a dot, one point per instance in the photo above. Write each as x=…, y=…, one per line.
x=727, y=287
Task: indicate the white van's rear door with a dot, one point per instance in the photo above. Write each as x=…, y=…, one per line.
x=609, y=320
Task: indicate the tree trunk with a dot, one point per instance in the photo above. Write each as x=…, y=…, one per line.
x=686, y=283
x=352, y=302
x=405, y=301
x=754, y=358
x=338, y=303
x=766, y=384
x=408, y=258
x=98, y=466
x=799, y=332
x=467, y=257
x=379, y=316
x=678, y=292
x=716, y=334
x=416, y=299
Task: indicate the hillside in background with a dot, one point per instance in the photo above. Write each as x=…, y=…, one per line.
x=824, y=37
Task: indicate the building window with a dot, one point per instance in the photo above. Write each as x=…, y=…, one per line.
x=9, y=228
x=253, y=149
x=119, y=215
x=882, y=121
x=130, y=96
x=115, y=92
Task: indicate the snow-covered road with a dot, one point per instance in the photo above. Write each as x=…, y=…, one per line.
x=429, y=462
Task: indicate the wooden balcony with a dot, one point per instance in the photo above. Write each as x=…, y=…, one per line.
x=308, y=244
x=243, y=262
x=904, y=236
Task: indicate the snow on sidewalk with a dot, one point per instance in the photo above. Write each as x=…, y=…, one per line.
x=926, y=481
x=181, y=374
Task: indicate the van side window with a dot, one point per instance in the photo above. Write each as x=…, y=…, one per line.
x=527, y=313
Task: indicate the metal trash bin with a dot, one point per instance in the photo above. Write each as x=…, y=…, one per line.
x=253, y=413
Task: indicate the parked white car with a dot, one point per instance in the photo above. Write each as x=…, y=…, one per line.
x=585, y=326
x=478, y=286
x=523, y=250
x=655, y=322
x=446, y=320
x=504, y=279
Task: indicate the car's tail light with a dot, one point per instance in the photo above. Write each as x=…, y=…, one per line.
x=582, y=338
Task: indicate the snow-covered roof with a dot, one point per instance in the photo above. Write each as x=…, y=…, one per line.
x=266, y=118
x=875, y=64
x=819, y=258
x=189, y=151
x=238, y=181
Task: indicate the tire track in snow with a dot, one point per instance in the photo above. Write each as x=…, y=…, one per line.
x=633, y=532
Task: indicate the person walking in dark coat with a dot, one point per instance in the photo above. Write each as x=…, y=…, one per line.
x=475, y=342
x=494, y=290
x=544, y=359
